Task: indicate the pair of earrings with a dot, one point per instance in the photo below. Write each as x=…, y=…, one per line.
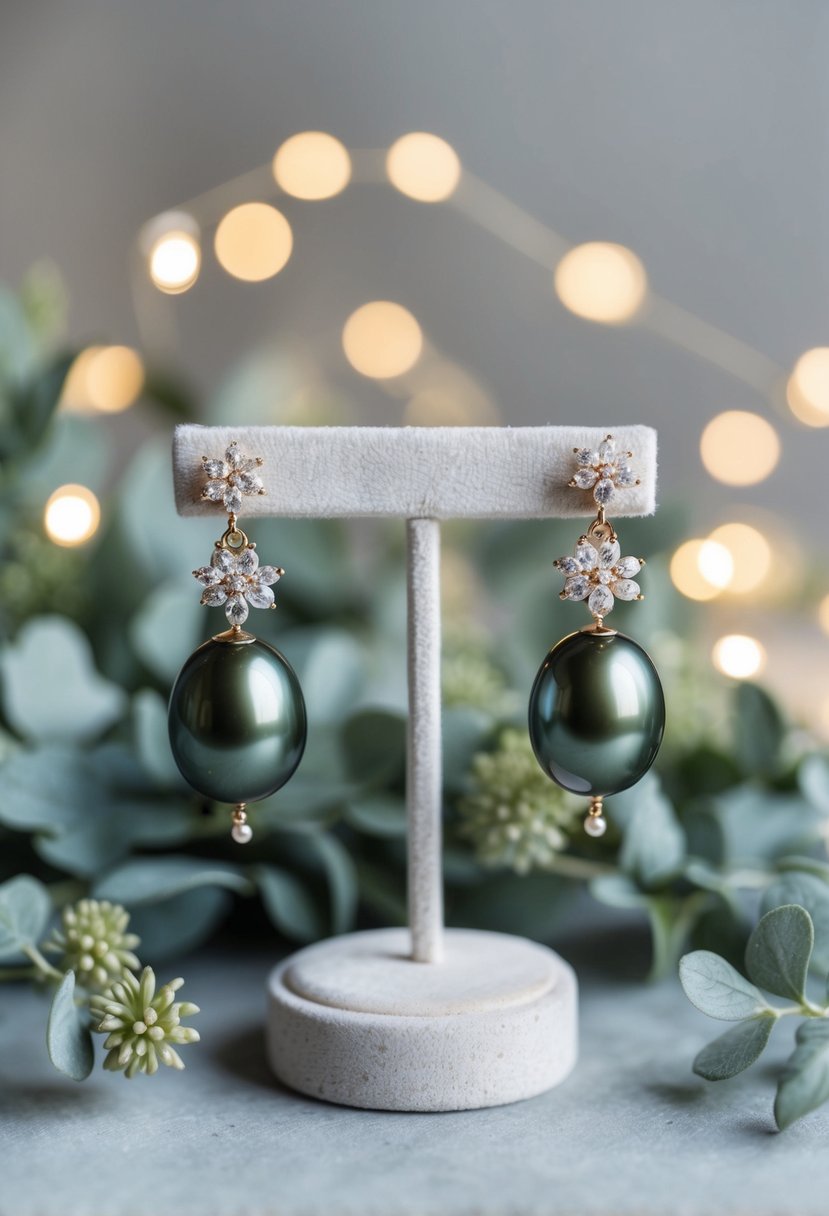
x=597, y=710
x=237, y=718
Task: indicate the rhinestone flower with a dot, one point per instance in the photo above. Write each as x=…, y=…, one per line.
x=93, y=942
x=232, y=478
x=598, y=573
x=141, y=1025
x=236, y=580
x=604, y=471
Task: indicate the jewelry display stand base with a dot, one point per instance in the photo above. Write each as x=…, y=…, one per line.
x=355, y=1021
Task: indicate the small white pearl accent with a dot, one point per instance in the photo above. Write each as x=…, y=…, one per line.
x=595, y=825
x=242, y=833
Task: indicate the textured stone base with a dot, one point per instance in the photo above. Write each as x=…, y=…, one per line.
x=355, y=1021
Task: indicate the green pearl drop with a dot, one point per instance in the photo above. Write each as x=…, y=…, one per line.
x=597, y=713
x=237, y=720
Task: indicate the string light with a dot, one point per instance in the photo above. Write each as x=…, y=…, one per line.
x=807, y=391
x=423, y=167
x=171, y=245
x=750, y=555
x=739, y=448
x=253, y=242
x=601, y=282
x=700, y=569
x=312, y=165
x=739, y=656
x=71, y=515
x=382, y=340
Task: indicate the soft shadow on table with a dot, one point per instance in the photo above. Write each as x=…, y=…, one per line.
x=242, y=1054
x=29, y=1100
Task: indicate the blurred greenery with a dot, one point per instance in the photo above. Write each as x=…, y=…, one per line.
x=92, y=638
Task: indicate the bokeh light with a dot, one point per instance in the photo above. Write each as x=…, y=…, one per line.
x=444, y=394
x=71, y=515
x=823, y=614
x=701, y=568
x=739, y=656
x=750, y=555
x=382, y=340
x=174, y=253
x=312, y=165
x=104, y=380
x=253, y=242
x=807, y=391
x=739, y=448
x=601, y=282
x=423, y=167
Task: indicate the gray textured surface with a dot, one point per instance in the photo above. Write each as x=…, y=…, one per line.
x=631, y=1131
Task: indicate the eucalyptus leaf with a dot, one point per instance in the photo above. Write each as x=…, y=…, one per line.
x=68, y=1038
x=779, y=950
x=759, y=731
x=374, y=746
x=289, y=904
x=34, y=402
x=735, y=1050
x=811, y=893
x=171, y=612
x=175, y=926
x=813, y=779
x=804, y=1083
x=757, y=826
x=149, y=713
x=342, y=880
x=718, y=989
x=653, y=848
x=146, y=880
x=465, y=731
x=379, y=814
x=51, y=690
x=330, y=664
x=25, y=908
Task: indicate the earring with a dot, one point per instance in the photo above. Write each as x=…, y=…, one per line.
x=237, y=714
x=597, y=710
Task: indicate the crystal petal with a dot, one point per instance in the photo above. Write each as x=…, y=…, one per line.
x=213, y=596
x=609, y=553
x=233, y=456
x=587, y=555
x=625, y=589
x=569, y=565
x=248, y=483
x=259, y=596
x=603, y=491
x=601, y=601
x=577, y=587
x=586, y=456
x=607, y=449
x=208, y=575
x=585, y=479
x=233, y=500
x=625, y=475
x=214, y=490
x=236, y=583
x=628, y=567
x=267, y=575
x=216, y=468
x=247, y=561
x=236, y=610
x=223, y=560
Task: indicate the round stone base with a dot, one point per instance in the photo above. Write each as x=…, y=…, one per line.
x=353, y=1020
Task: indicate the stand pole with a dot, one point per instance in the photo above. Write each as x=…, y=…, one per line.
x=424, y=784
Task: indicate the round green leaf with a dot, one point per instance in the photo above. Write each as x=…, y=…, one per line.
x=24, y=910
x=289, y=904
x=147, y=880
x=716, y=988
x=804, y=1083
x=811, y=893
x=653, y=849
x=735, y=1050
x=68, y=1039
x=779, y=949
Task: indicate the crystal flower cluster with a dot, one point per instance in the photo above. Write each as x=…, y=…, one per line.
x=143, y=1027
x=93, y=942
x=604, y=471
x=236, y=580
x=231, y=479
x=599, y=574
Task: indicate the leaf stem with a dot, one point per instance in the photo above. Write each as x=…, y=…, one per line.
x=579, y=867
x=44, y=967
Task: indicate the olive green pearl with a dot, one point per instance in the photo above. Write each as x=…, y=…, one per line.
x=237, y=720
x=597, y=713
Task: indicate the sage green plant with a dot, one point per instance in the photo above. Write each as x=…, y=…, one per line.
x=143, y=1027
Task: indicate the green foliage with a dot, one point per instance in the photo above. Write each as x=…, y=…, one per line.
x=68, y=1039
x=24, y=910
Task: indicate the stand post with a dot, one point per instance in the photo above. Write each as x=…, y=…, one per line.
x=424, y=783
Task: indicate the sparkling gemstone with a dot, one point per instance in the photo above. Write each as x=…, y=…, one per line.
x=266, y=575
x=233, y=456
x=626, y=589
x=214, y=490
x=233, y=500
x=260, y=597
x=216, y=468
x=214, y=596
x=585, y=478
x=603, y=491
x=587, y=555
x=248, y=483
x=577, y=587
x=604, y=576
x=609, y=553
x=607, y=449
x=628, y=567
x=607, y=470
x=223, y=560
x=586, y=456
x=247, y=561
x=601, y=601
x=625, y=475
x=208, y=575
x=236, y=610
x=236, y=582
x=569, y=565
x=595, y=825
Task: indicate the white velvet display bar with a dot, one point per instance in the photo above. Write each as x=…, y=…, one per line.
x=415, y=472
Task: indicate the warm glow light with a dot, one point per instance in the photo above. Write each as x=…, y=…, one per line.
x=807, y=391
x=253, y=242
x=312, y=165
x=738, y=656
x=750, y=554
x=75, y=394
x=700, y=569
x=71, y=515
x=114, y=379
x=739, y=448
x=382, y=340
x=424, y=167
x=601, y=282
x=175, y=260
x=447, y=395
x=823, y=614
